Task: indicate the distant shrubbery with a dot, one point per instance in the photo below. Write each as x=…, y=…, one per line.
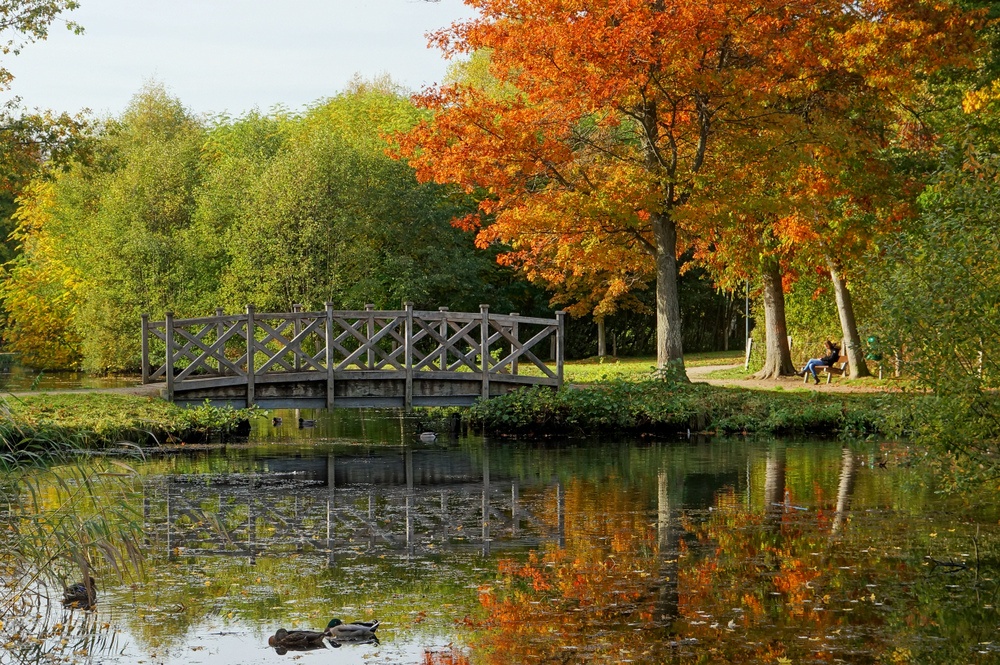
x=655, y=406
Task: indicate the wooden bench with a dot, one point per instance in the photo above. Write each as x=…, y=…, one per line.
x=839, y=368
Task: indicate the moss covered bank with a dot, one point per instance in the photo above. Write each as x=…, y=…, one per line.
x=655, y=406
x=96, y=420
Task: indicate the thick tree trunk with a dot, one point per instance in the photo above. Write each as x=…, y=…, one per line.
x=667, y=598
x=669, y=350
x=849, y=326
x=778, y=361
x=774, y=486
x=844, y=491
x=602, y=347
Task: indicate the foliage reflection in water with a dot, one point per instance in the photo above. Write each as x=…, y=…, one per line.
x=512, y=553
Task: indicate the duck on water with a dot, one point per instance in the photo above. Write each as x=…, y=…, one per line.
x=336, y=632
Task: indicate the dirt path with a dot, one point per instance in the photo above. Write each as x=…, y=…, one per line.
x=695, y=374
x=838, y=385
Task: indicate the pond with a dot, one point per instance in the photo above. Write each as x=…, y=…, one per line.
x=488, y=551
x=16, y=378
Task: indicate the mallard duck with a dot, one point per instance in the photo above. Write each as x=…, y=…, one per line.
x=276, y=421
x=306, y=422
x=428, y=437
x=300, y=640
x=81, y=594
x=356, y=631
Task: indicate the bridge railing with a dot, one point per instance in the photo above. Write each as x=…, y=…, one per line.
x=226, y=349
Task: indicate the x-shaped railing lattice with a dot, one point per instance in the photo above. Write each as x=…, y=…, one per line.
x=398, y=344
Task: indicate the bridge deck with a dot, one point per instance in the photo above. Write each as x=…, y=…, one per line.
x=333, y=358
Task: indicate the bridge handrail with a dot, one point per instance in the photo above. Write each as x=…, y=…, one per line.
x=405, y=343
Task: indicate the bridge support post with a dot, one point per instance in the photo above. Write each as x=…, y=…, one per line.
x=484, y=348
x=330, y=364
x=251, y=351
x=370, y=331
x=560, y=345
x=408, y=355
x=169, y=329
x=514, y=332
x=443, y=331
x=145, y=349
x=220, y=330
x=296, y=328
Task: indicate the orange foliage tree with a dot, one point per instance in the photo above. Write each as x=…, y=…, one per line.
x=617, y=115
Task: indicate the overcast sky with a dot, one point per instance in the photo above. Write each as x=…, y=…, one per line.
x=230, y=55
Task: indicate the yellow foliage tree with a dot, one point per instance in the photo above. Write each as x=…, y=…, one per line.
x=38, y=290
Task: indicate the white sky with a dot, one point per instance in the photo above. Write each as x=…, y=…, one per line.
x=229, y=55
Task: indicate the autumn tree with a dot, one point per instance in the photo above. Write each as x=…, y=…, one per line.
x=25, y=21
x=618, y=109
x=38, y=290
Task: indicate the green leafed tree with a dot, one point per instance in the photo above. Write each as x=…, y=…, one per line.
x=940, y=307
x=123, y=220
x=335, y=219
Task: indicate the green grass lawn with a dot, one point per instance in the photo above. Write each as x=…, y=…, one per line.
x=593, y=370
x=97, y=420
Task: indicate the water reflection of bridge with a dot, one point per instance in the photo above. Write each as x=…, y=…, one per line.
x=414, y=502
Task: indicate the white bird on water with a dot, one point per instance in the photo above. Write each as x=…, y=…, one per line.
x=428, y=437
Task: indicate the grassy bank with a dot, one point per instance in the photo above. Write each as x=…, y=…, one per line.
x=597, y=370
x=94, y=420
x=651, y=406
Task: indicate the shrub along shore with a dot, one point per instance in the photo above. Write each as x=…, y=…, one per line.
x=660, y=407
x=49, y=421
x=100, y=421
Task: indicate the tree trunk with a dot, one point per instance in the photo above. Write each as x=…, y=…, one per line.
x=852, y=341
x=667, y=598
x=669, y=350
x=602, y=347
x=778, y=360
x=774, y=485
x=844, y=491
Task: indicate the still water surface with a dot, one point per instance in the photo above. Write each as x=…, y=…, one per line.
x=473, y=551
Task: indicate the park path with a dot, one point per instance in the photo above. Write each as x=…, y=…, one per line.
x=695, y=374
x=838, y=385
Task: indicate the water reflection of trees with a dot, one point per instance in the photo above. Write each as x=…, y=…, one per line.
x=62, y=524
x=642, y=553
x=779, y=568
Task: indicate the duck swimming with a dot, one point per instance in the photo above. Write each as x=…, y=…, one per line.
x=356, y=631
x=81, y=594
x=284, y=641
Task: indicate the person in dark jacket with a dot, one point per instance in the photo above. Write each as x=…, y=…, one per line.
x=832, y=353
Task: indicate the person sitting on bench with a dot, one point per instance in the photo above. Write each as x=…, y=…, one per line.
x=832, y=353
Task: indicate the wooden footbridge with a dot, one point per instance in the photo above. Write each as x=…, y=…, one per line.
x=364, y=358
